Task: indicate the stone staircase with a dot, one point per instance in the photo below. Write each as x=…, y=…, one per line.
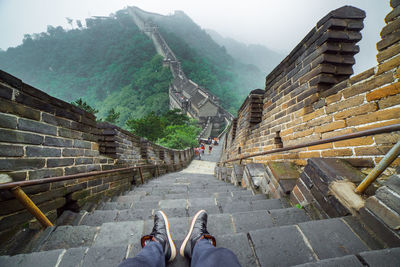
x=260, y=231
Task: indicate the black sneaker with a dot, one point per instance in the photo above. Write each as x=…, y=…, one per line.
x=197, y=231
x=162, y=234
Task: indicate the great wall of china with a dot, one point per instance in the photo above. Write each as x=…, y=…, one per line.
x=184, y=94
x=310, y=96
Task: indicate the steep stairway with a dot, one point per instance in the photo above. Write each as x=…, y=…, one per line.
x=260, y=231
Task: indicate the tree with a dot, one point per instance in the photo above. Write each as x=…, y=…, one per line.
x=112, y=116
x=79, y=23
x=85, y=106
x=149, y=126
x=69, y=20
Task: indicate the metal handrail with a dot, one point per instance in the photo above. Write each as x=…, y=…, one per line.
x=379, y=130
x=11, y=185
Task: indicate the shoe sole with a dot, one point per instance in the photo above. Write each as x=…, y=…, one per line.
x=182, y=249
x=170, y=241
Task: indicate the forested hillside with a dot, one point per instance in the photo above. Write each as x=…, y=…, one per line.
x=109, y=63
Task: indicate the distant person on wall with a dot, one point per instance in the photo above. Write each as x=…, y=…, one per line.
x=199, y=246
x=210, y=147
x=202, y=148
x=197, y=152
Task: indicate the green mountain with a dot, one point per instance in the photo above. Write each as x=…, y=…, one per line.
x=262, y=57
x=111, y=64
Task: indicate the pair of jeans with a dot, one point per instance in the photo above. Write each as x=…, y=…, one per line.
x=204, y=255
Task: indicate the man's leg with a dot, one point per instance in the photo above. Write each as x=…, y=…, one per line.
x=199, y=246
x=157, y=247
x=205, y=254
x=152, y=255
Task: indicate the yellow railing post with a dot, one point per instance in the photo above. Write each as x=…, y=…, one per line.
x=30, y=206
x=382, y=165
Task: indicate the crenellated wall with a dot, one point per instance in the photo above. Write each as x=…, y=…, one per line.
x=310, y=96
x=42, y=136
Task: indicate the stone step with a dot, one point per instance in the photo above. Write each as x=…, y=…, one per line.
x=305, y=242
x=242, y=206
x=385, y=257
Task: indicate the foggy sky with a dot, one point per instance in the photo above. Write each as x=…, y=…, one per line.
x=279, y=25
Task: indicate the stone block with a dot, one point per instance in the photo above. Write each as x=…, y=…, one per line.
x=34, y=151
x=362, y=109
x=45, y=259
x=389, y=101
x=239, y=245
x=11, y=136
x=80, y=161
x=119, y=233
x=18, y=109
x=59, y=142
x=70, y=237
x=5, y=92
x=105, y=256
x=385, y=91
x=73, y=152
x=69, y=133
x=73, y=257
x=21, y=164
x=332, y=238
x=82, y=144
x=60, y=162
x=11, y=151
x=386, y=257
x=37, y=127
x=385, y=213
x=349, y=260
x=368, y=85
x=280, y=246
x=45, y=173
x=8, y=121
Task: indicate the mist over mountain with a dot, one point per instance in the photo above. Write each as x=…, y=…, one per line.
x=262, y=57
x=110, y=63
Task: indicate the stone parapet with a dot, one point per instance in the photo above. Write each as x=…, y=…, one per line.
x=311, y=96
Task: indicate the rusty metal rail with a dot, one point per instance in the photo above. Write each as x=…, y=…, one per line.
x=379, y=130
x=74, y=176
x=15, y=187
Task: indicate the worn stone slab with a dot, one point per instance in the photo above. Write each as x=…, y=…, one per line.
x=332, y=238
x=176, y=196
x=232, y=207
x=70, y=237
x=393, y=182
x=134, y=215
x=119, y=233
x=98, y=217
x=210, y=210
x=222, y=194
x=281, y=246
x=240, y=246
x=237, y=174
x=267, y=204
x=386, y=214
x=73, y=257
x=128, y=199
x=288, y=216
x=240, y=193
x=220, y=224
x=251, y=220
x=173, y=203
x=45, y=259
x=104, y=256
x=360, y=230
x=201, y=202
x=115, y=206
x=384, y=257
x=349, y=260
x=390, y=197
x=146, y=205
x=175, y=212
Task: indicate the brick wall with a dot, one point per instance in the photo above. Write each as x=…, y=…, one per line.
x=310, y=96
x=42, y=136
